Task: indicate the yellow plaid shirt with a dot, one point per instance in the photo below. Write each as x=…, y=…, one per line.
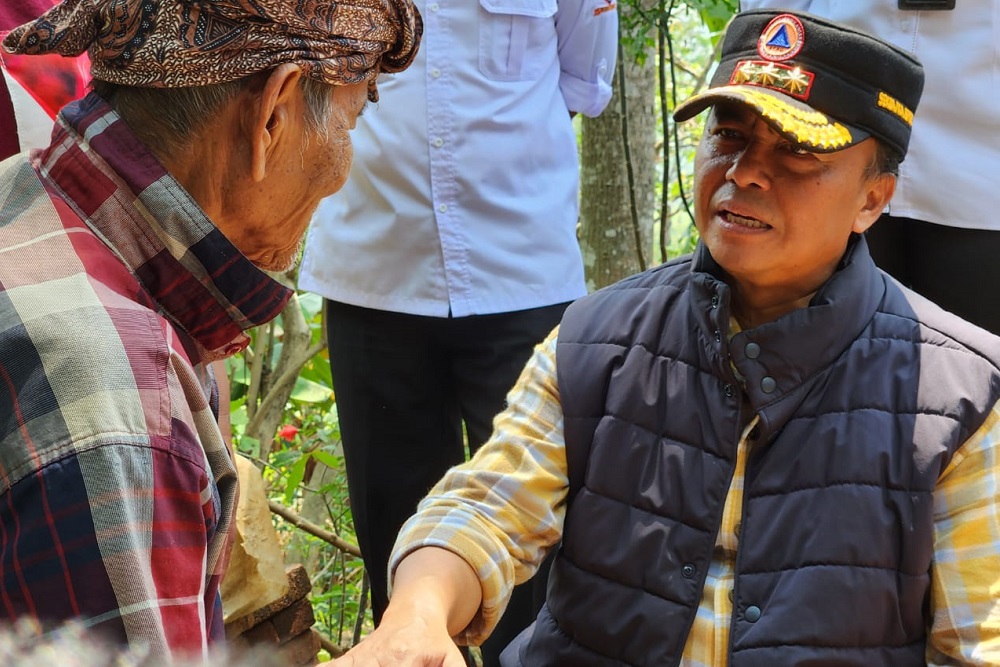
x=512, y=494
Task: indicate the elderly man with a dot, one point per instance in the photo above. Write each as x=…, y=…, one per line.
x=767, y=453
x=133, y=255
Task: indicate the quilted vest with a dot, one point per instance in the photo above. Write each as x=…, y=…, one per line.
x=863, y=398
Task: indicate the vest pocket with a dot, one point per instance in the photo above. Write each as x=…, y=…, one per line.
x=513, y=34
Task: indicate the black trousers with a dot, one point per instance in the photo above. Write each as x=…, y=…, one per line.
x=958, y=269
x=405, y=385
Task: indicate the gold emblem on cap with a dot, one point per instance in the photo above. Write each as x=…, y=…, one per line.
x=782, y=38
x=810, y=128
x=793, y=81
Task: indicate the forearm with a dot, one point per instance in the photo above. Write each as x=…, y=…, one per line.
x=436, y=585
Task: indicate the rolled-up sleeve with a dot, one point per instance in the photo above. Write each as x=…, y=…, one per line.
x=966, y=571
x=503, y=510
x=588, y=46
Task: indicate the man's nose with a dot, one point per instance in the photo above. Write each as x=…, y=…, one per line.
x=751, y=167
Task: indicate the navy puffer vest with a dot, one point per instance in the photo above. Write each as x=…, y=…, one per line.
x=863, y=399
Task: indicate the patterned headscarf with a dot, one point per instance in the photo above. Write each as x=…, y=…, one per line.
x=175, y=43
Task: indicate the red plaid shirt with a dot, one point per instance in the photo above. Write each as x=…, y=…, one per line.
x=117, y=491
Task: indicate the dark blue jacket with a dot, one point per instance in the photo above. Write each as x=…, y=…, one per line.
x=863, y=399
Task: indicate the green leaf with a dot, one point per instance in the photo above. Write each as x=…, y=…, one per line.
x=715, y=13
x=326, y=458
x=318, y=370
x=250, y=446
x=238, y=412
x=295, y=476
x=312, y=304
x=308, y=391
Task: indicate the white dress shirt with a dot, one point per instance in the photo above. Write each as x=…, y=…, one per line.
x=950, y=172
x=462, y=197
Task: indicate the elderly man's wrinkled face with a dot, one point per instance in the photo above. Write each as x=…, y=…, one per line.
x=301, y=172
x=774, y=216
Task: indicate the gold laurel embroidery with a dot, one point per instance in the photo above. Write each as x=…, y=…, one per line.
x=808, y=127
x=894, y=106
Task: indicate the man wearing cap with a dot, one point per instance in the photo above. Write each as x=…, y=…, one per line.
x=133, y=253
x=765, y=453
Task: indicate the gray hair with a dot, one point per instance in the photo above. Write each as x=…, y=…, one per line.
x=167, y=119
x=885, y=161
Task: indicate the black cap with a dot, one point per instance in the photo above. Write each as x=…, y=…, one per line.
x=821, y=84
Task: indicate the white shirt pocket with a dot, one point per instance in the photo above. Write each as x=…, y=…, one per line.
x=514, y=36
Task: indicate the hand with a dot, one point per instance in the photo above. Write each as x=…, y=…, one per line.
x=436, y=594
x=409, y=642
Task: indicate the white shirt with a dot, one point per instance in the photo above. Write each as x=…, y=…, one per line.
x=950, y=172
x=462, y=197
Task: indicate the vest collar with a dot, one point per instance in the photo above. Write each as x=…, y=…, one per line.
x=779, y=359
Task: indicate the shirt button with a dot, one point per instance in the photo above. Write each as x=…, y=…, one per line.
x=752, y=613
x=718, y=336
x=434, y=6
x=728, y=390
x=443, y=208
x=767, y=385
x=438, y=142
x=715, y=301
x=688, y=570
x=435, y=73
x=752, y=350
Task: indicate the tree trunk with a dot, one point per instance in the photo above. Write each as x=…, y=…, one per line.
x=614, y=245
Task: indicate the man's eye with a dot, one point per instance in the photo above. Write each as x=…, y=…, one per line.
x=796, y=149
x=726, y=133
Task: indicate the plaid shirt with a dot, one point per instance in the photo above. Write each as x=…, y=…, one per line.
x=117, y=491
x=514, y=491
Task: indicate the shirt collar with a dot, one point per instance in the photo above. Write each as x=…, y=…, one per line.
x=194, y=273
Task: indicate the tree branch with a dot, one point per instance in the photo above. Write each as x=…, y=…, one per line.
x=311, y=528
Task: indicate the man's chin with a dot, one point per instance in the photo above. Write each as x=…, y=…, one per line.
x=279, y=262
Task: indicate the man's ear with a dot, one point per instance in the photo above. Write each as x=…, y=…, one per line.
x=879, y=191
x=270, y=116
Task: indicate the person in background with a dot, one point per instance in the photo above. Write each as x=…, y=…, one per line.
x=765, y=453
x=940, y=235
x=33, y=89
x=452, y=249
x=134, y=254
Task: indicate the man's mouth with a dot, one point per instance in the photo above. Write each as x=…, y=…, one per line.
x=742, y=221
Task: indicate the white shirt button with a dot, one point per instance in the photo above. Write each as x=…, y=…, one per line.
x=438, y=142
x=435, y=73
x=443, y=208
x=434, y=6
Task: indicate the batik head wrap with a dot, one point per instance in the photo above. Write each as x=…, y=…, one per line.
x=179, y=43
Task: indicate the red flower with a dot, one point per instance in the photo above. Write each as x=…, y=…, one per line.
x=288, y=432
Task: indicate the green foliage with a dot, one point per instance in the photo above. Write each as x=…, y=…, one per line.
x=641, y=20
x=306, y=440
x=714, y=13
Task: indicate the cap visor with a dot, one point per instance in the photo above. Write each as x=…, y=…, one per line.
x=795, y=120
